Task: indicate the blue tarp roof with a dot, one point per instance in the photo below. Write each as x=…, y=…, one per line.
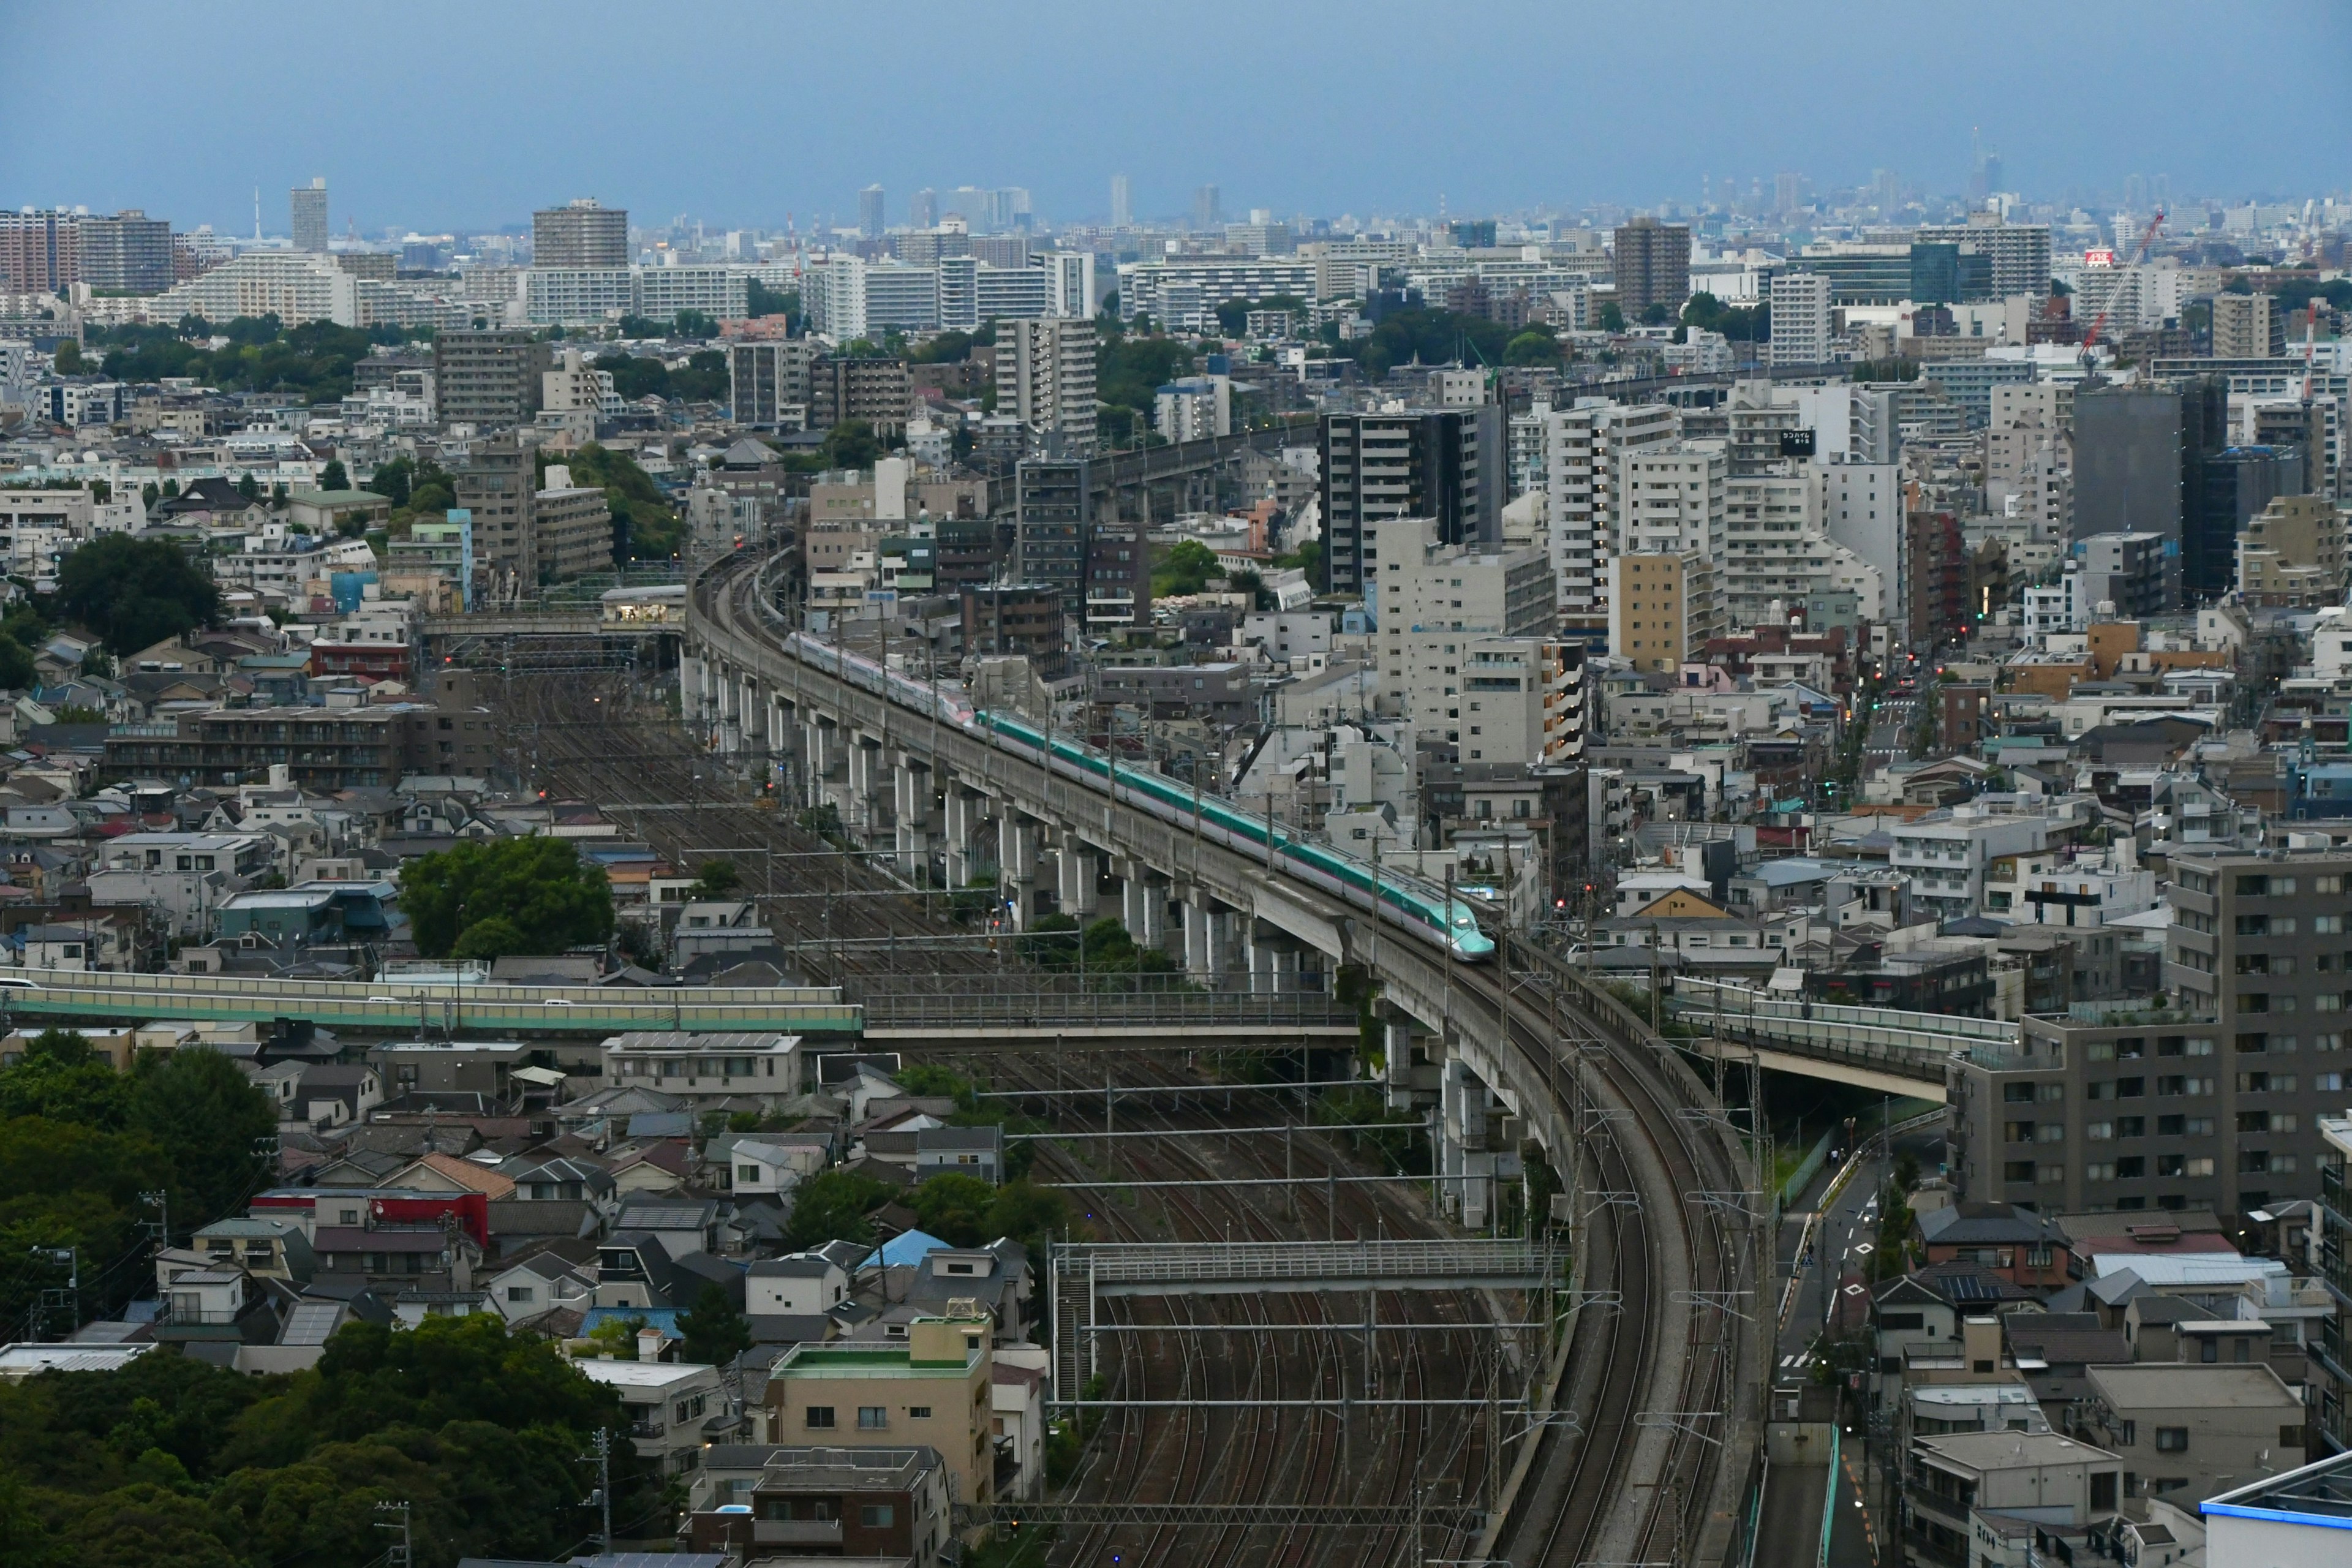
x=662, y=1124
x=908, y=1247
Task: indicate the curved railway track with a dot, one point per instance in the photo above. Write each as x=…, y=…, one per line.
x=1653, y=1470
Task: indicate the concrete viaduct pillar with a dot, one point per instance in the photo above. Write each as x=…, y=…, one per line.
x=963, y=815
x=911, y=794
x=1016, y=855
x=1077, y=870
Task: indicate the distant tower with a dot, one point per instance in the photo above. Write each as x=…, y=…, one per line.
x=310, y=214
x=1208, y=207
x=869, y=212
x=1122, y=202
x=923, y=211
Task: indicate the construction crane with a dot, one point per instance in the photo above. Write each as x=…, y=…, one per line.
x=2091, y=335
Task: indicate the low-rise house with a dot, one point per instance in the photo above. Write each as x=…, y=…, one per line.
x=771, y=1164
x=265, y=1249
x=701, y=1070
x=881, y=1505
x=2186, y=1431
x=1965, y=1491
x=934, y=1391
x=674, y=1407
x=543, y=1283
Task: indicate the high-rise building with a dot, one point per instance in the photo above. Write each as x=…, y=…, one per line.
x=497, y=485
x=2020, y=252
x=1208, y=207
x=1069, y=282
x=1663, y=608
x=2213, y=1104
x=1446, y=464
x=1122, y=202
x=1461, y=649
x=1801, y=319
x=1585, y=448
x=580, y=235
x=923, y=209
x=2247, y=326
x=1050, y=515
x=126, y=252
x=40, y=252
x=870, y=217
x=490, y=378
x=767, y=383
x=1046, y=378
x=309, y=210
x=1652, y=266
x=1787, y=192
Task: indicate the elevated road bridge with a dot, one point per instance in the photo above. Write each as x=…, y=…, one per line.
x=1884, y=1049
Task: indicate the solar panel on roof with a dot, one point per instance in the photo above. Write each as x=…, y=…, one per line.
x=311, y=1323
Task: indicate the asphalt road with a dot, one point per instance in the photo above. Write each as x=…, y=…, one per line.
x=1842, y=1240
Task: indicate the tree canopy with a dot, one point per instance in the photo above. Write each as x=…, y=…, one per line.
x=645, y=527
x=529, y=895
x=173, y=1461
x=313, y=361
x=1185, y=569
x=831, y=1205
x=80, y=1141
x=134, y=592
x=714, y=1332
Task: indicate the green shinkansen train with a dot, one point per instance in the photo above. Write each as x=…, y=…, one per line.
x=1409, y=903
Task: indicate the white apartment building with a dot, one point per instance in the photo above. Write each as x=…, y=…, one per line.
x=1676, y=500
x=1009, y=293
x=1069, y=282
x=1777, y=551
x=1217, y=280
x=1584, y=452
x=848, y=298
x=1046, y=377
x=1947, y=854
x=722, y=293
x=1430, y=597
x=1192, y=409
x=295, y=285
x=1862, y=509
x=575, y=386
x=1801, y=319
x=554, y=295
x=1515, y=700
x=1850, y=423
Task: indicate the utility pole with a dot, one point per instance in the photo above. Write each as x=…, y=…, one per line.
x=67, y=1299
x=160, y=1200
x=602, y=1498
x=402, y=1552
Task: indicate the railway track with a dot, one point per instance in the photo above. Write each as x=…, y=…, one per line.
x=1225, y=1451
x=1658, y=1371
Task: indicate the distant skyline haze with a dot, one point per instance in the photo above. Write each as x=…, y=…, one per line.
x=437, y=116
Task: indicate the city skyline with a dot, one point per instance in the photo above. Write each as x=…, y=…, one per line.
x=1393, y=129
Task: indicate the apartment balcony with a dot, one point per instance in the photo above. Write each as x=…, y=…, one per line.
x=820, y=1532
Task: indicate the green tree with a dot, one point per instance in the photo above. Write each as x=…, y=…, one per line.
x=68, y=358
x=332, y=477
x=17, y=670
x=538, y=886
x=134, y=592
x=954, y=1207
x=716, y=880
x=1534, y=346
x=209, y=1119
x=1185, y=569
x=761, y=300
x=1030, y=1215
x=248, y=487
x=645, y=527
x=489, y=940
x=695, y=324
x=1610, y=317
x=851, y=444
x=831, y=1205
x=714, y=1332
x=390, y=480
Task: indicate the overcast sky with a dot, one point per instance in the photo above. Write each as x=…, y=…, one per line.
x=433, y=115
